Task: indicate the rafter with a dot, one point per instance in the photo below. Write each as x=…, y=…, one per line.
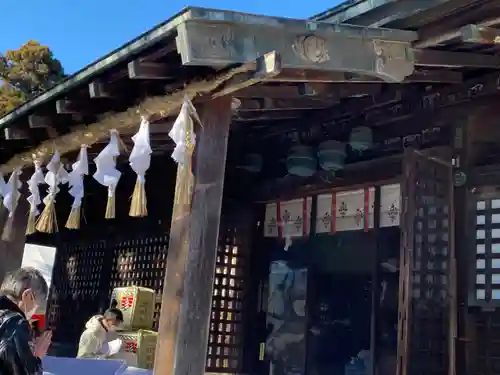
x=480, y=34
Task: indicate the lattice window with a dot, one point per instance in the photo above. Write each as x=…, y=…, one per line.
x=428, y=273
x=225, y=343
x=77, y=285
x=486, y=291
x=140, y=262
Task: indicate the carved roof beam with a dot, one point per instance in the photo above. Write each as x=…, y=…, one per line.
x=480, y=34
x=381, y=53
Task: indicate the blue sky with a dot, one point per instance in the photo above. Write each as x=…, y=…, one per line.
x=79, y=32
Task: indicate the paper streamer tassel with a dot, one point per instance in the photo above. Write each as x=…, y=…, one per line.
x=111, y=204
x=74, y=218
x=47, y=222
x=139, y=205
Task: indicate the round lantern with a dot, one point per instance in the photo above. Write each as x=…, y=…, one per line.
x=361, y=138
x=301, y=161
x=331, y=155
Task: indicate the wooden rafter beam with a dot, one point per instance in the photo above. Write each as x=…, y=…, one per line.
x=315, y=76
x=372, y=111
x=329, y=91
x=442, y=59
x=67, y=107
x=269, y=104
x=99, y=90
x=480, y=34
x=40, y=121
x=15, y=133
x=150, y=70
x=252, y=116
x=266, y=66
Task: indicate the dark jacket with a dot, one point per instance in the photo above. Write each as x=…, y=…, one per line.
x=16, y=355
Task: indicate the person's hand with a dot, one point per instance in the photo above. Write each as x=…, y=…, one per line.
x=42, y=344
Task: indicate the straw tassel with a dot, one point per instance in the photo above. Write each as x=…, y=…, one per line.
x=139, y=205
x=140, y=160
x=11, y=200
x=182, y=133
x=56, y=174
x=111, y=204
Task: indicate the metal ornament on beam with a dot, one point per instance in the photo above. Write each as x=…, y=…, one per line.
x=220, y=44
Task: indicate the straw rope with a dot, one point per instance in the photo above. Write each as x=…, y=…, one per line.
x=94, y=133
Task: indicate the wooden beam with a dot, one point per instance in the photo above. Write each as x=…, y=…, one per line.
x=329, y=91
x=480, y=34
x=445, y=59
x=39, y=121
x=266, y=66
x=149, y=70
x=99, y=90
x=67, y=107
x=315, y=76
x=248, y=116
x=269, y=104
x=15, y=134
x=219, y=44
x=189, y=274
x=391, y=107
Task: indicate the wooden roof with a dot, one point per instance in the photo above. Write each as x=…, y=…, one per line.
x=348, y=83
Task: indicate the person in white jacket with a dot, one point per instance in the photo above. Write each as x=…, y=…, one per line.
x=99, y=330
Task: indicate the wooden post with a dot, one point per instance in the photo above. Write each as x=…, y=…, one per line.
x=187, y=292
x=11, y=252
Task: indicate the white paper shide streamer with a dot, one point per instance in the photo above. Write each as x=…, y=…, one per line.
x=140, y=160
x=4, y=188
x=79, y=169
x=107, y=174
x=182, y=133
x=10, y=201
x=34, y=200
x=56, y=174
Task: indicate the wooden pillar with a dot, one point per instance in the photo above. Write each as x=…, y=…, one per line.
x=11, y=252
x=187, y=292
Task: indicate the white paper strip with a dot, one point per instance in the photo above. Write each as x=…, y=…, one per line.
x=390, y=205
x=12, y=192
x=140, y=157
x=80, y=168
x=56, y=174
x=350, y=209
x=37, y=178
x=106, y=173
x=324, y=213
x=292, y=222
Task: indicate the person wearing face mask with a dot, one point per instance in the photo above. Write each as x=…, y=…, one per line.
x=99, y=330
x=22, y=292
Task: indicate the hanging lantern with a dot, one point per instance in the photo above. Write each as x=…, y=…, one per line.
x=301, y=161
x=252, y=163
x=361, y=139
x=331, y=155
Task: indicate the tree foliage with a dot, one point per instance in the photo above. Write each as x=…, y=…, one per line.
x=25, y=73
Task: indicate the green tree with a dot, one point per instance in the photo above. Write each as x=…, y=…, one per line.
x=25, y=73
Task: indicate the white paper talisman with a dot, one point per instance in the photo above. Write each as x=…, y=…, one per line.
x=390, y=205
x=350, y=208
x=288, y=218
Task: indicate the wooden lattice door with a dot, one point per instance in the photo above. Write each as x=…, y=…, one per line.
x=427, y=303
